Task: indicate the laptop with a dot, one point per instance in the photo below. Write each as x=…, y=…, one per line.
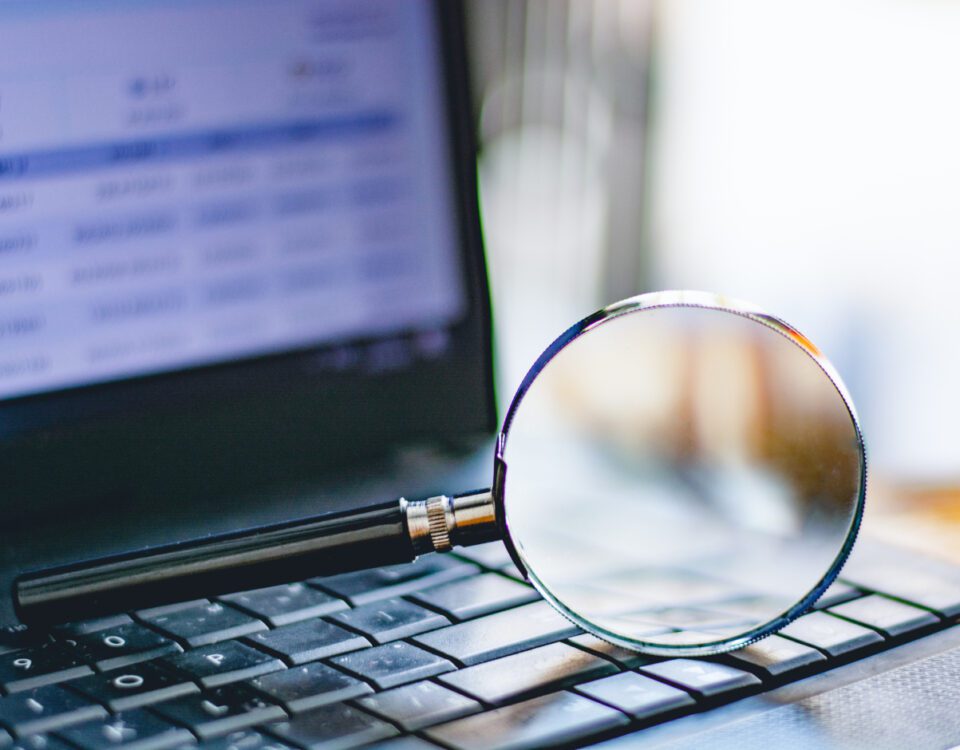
x=242, y=281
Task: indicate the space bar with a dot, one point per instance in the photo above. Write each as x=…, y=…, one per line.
x=500, y=634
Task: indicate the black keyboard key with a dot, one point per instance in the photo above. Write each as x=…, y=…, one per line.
x=43, y=665
x=491, y=555
x=166, y=609
x=133, y=686
x=551, y=667
x=831, y=634
x=84, y=627
x=124, y=644
x=500, y=634
x=539, y=722
x=639, y=696
x=420, y=705
x=912, y=585
x=704, y=678
x=512, y=571
x=775, y=656
x=221, y=663
x=392, y=664
x=890, y=617
x=220, y=711
x=202, y=624
x=308, y=641
x=477, y=596
x=623, y=656
x=837, y=593
x=301, y=689
x=336, y=726
x=130, y=730
x=45, y=709
x=19, y=637
x=243, y=739
x=37, y=742
x=390, y=619
x=366, y=586
x=282, y=605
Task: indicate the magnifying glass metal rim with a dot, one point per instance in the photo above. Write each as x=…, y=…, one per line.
x=684, y=299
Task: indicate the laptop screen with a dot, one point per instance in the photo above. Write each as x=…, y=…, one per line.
x=183, y=184
x=238, y=240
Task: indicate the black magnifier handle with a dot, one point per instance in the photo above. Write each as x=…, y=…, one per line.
x=337, y=542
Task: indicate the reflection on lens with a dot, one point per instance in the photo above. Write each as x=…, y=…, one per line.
x=682, y=475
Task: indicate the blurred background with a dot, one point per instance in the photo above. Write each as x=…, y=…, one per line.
x=802, y=156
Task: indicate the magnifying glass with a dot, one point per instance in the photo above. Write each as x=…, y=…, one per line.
x=679, y=474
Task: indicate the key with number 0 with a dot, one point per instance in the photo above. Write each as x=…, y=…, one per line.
x=123, y=645
x=132, y=687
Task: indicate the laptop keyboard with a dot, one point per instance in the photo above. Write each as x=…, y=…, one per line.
x=450, y=651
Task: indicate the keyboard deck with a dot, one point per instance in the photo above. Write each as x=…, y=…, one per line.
x=452, y=651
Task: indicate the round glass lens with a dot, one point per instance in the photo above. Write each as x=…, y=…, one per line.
x=681, y=473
